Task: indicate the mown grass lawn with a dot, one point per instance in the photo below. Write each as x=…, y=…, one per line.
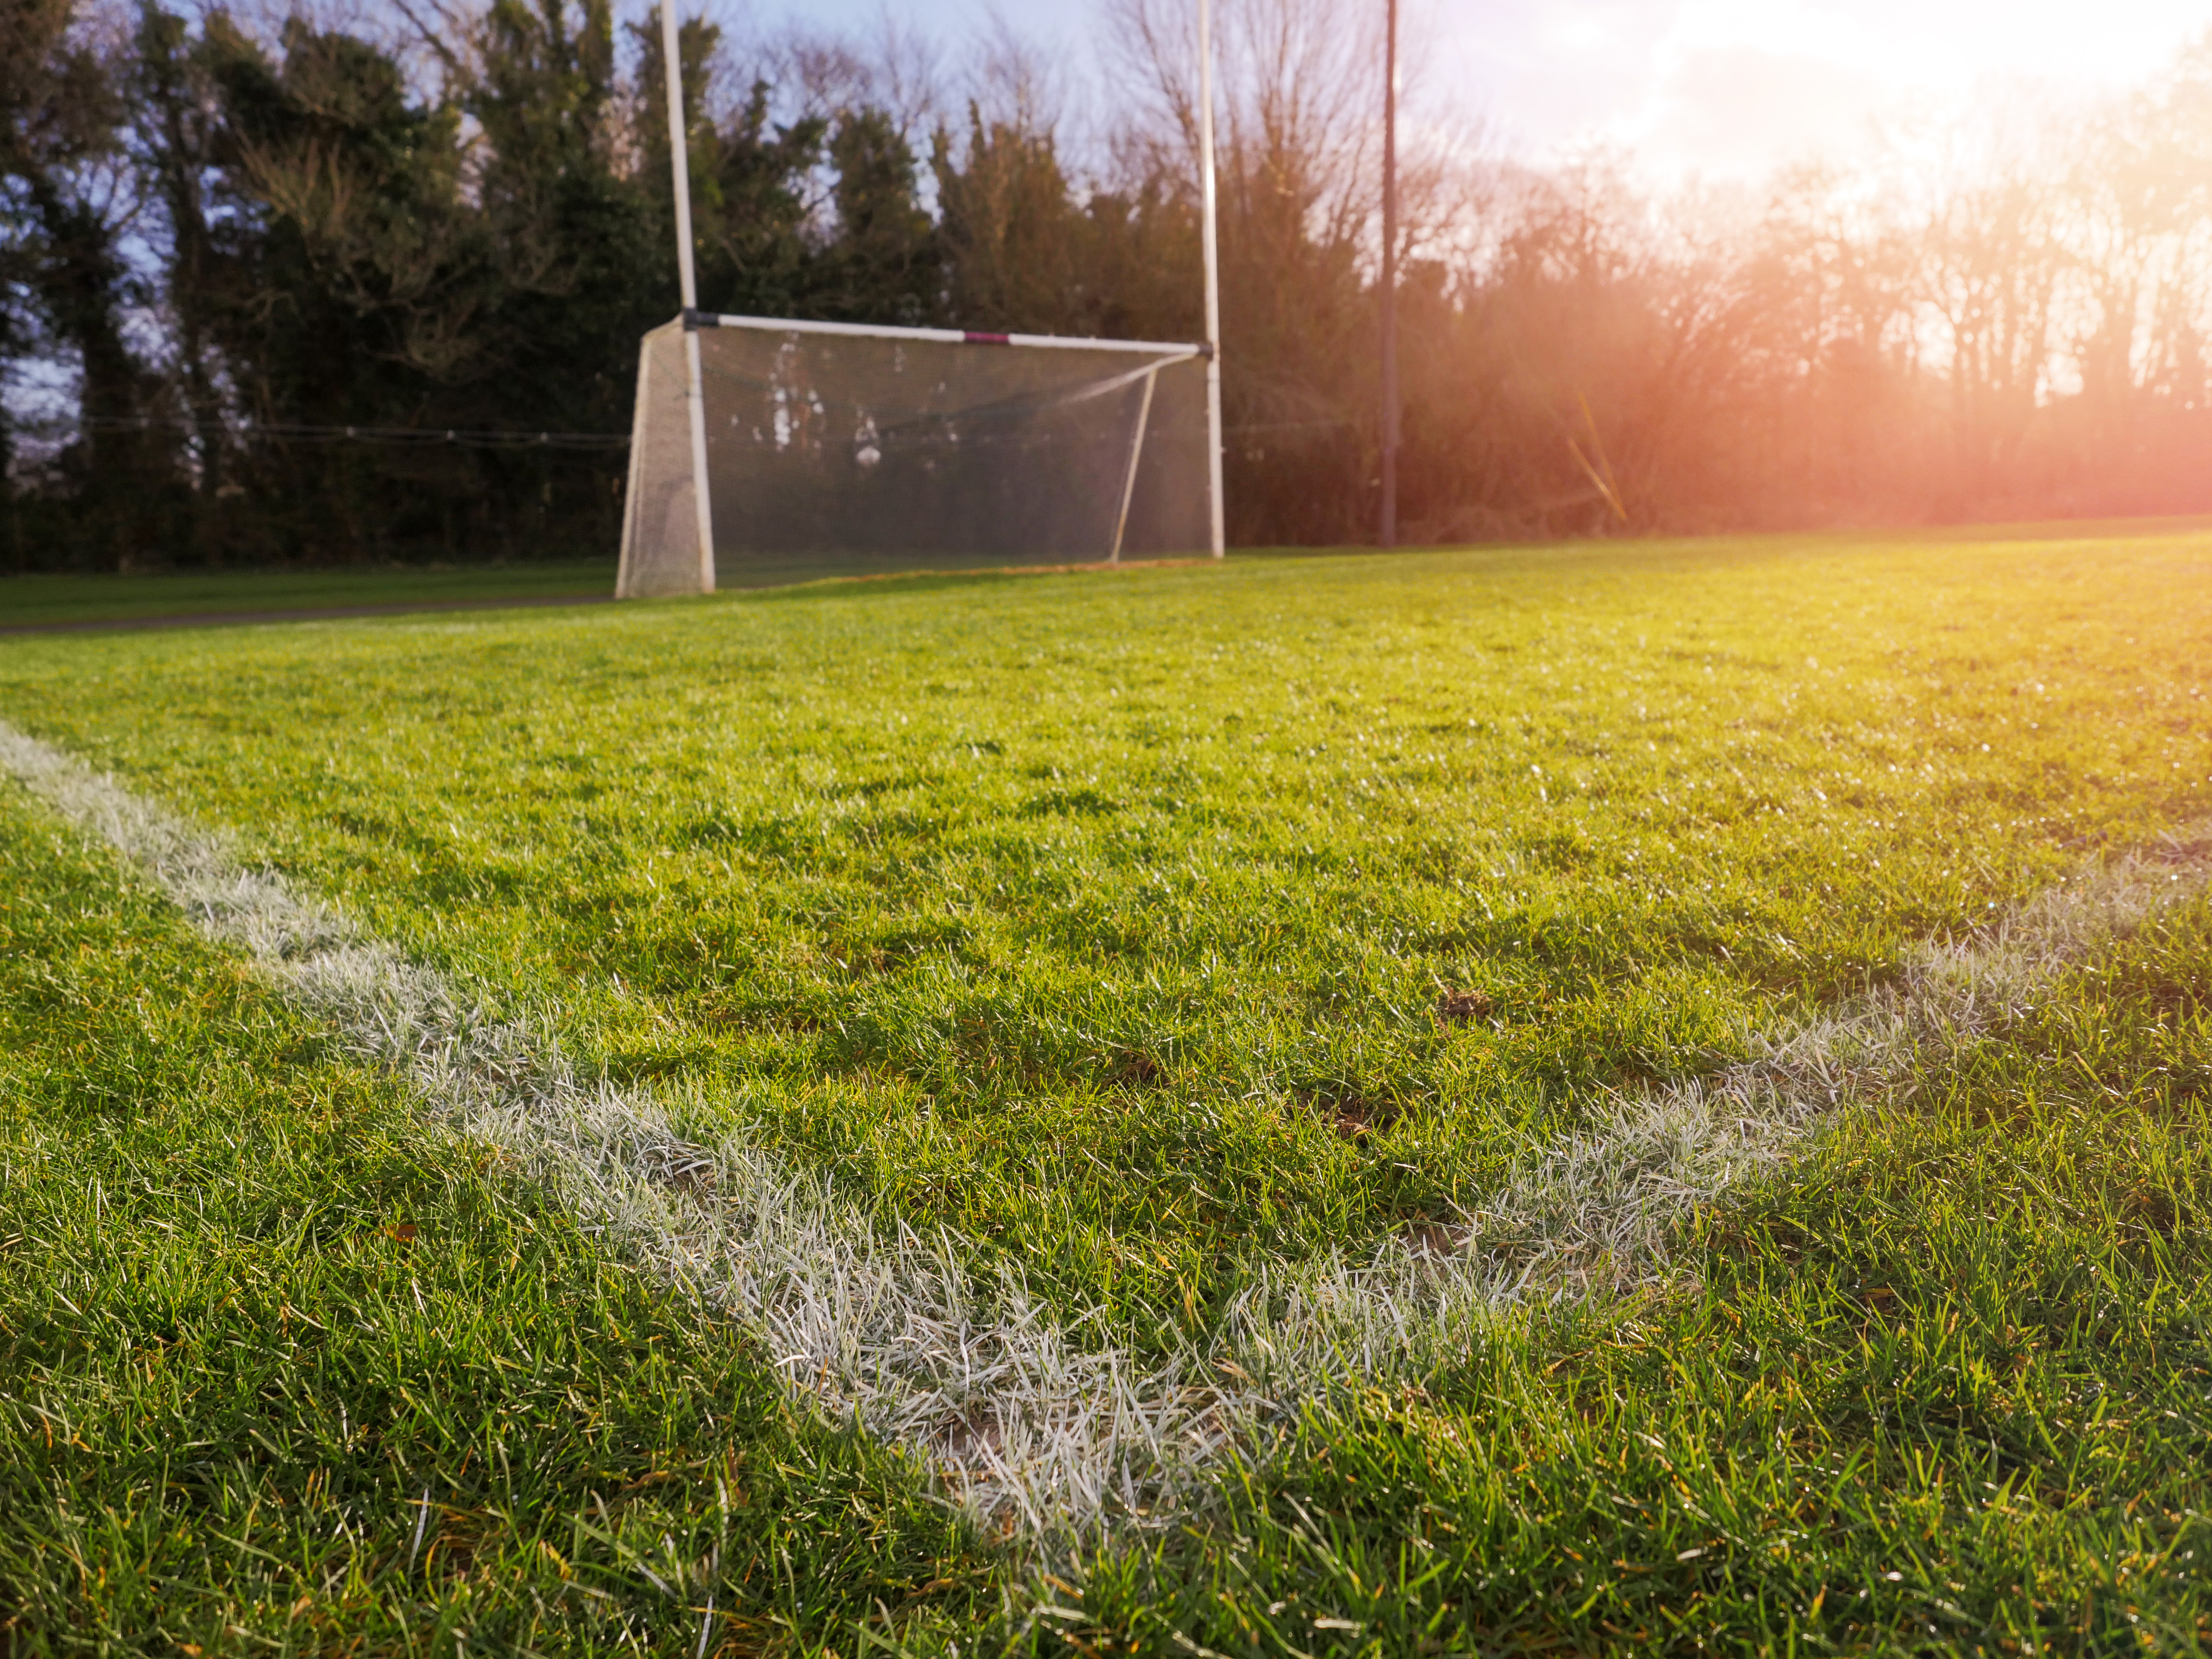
x=45, y=600
x=278, y=1366
x=1110, y=923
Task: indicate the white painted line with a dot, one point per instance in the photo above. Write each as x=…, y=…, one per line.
x=1594, y=1212
x=1033, y=1424
x=1029, y=1422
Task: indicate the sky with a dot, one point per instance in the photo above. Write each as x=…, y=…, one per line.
x=1720, y=88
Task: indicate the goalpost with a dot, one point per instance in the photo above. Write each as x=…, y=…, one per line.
x=780, y=448
x=841, y=449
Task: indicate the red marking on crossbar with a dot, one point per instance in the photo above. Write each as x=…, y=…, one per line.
x=973, y=338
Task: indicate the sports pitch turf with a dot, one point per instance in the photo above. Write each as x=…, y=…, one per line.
x=1144, y=933
x=57, y=600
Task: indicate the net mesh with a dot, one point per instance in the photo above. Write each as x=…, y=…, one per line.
x=834, y=454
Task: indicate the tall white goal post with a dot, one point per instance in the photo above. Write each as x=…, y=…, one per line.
x=679, y=159
x=775, y=448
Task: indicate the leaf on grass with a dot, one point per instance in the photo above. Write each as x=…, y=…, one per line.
x=1436, y=1237
x=1353, y=1116
x=1457, y=1007
x=1134, y=1066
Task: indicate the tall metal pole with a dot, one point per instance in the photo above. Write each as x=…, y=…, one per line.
x=695, y=394
x=1213, y=256
x=1389, y=536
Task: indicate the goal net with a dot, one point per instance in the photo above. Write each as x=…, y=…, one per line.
x=836, y=449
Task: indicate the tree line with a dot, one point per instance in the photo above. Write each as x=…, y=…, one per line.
x=229, y=240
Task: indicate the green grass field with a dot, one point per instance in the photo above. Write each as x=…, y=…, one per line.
x=1145, y=935
x=52, y=600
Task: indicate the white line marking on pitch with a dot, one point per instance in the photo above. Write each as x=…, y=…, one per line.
x=1028, y=1422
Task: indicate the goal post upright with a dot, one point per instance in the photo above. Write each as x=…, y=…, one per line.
x=1387, y=281
x=632, y=489
x=695, y=389
x=1210, y=246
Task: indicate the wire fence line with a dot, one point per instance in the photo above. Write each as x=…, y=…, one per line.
x=57, y=427
x=290, y=432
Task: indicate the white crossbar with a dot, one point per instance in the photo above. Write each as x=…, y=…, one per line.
x=949, y=336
